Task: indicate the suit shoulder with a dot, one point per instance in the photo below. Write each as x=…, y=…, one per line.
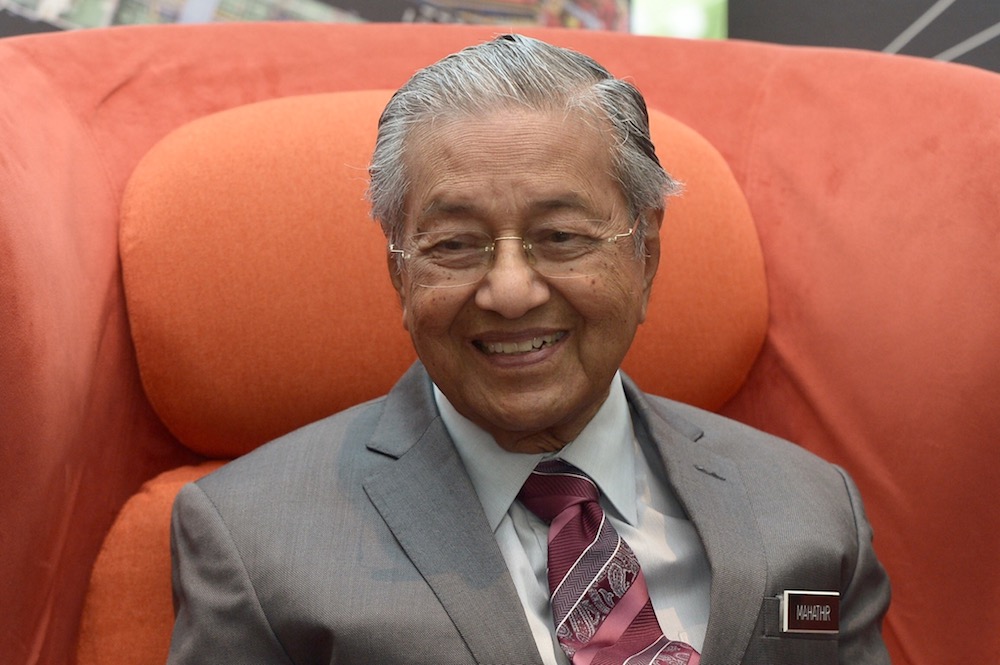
x=735, y=440
x=335, y=442
x=782, y=480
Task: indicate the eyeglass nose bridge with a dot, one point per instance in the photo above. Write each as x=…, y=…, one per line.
x=525, y=246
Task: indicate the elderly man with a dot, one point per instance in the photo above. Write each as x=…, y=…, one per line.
x=516, y=499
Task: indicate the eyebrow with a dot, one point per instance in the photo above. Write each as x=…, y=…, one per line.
x=438, y=207
x=569, y=201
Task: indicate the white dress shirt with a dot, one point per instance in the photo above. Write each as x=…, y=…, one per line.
x=636, y=498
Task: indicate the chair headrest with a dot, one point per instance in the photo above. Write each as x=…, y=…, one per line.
x=258, y=293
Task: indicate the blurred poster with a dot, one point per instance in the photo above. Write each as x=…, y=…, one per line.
x=587, y=14
x=687, y=18
x=69, y=14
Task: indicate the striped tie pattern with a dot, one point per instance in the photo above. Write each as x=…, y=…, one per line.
x=600, y=603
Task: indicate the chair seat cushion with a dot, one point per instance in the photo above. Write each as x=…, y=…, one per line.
x=127, y=617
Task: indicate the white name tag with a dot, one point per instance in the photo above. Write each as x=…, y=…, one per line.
x=815, y=612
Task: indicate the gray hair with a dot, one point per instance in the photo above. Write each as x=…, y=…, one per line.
x=512, y=70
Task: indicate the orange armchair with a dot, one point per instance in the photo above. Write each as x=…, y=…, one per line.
x=844, y=208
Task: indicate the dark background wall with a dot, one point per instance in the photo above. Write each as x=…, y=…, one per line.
x=14, y=24
x=973, y=26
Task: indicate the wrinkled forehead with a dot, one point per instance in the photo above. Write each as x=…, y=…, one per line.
x=515, y=162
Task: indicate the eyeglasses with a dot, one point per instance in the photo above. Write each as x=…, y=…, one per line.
x=458, y=257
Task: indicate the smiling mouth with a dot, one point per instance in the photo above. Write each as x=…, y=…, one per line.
x=518, y=348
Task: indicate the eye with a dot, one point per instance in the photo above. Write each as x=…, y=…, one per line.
x=456, y=244
x=448, y=242
x=451, y=250
x=574, y=231
x=560, y=236
x=564, y=242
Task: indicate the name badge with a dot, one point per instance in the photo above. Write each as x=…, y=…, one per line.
x=816, y=612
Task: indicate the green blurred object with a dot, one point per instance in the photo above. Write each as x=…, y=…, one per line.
x=681, y=18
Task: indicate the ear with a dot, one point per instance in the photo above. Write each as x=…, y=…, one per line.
x=396, y=275
x=654, y=220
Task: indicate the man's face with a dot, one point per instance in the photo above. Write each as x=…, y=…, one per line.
x=526, y=357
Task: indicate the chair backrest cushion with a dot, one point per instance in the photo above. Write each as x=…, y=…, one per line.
x=257, y=286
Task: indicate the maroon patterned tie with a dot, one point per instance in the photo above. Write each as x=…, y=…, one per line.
x=600, y=604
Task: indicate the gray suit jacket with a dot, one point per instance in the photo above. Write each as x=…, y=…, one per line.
x=360, y=539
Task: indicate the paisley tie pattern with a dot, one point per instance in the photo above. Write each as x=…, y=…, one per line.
x=600, y=603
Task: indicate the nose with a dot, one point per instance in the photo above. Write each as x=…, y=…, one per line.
x=511, y=287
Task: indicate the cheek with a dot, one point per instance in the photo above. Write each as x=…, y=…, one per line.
x=428, y=313
x=610, y=318
x=618, y=297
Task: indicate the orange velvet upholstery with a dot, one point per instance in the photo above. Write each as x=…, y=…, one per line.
x=256, y=284
x=873, y=183
x=128, y=616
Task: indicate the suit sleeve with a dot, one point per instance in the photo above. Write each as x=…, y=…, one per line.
x=865, y=599
x=218, y=617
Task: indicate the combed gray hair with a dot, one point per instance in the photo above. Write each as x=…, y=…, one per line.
x=508, y=71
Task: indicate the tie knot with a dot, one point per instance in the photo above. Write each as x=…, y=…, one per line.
x=555, y=486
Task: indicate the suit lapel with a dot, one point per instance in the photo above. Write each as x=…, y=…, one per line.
x=429, y=503
x=427, y=500
x=711, y=490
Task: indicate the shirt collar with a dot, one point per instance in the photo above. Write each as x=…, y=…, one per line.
x=604, y=450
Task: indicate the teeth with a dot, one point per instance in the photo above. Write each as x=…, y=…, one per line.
x=511, y=348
